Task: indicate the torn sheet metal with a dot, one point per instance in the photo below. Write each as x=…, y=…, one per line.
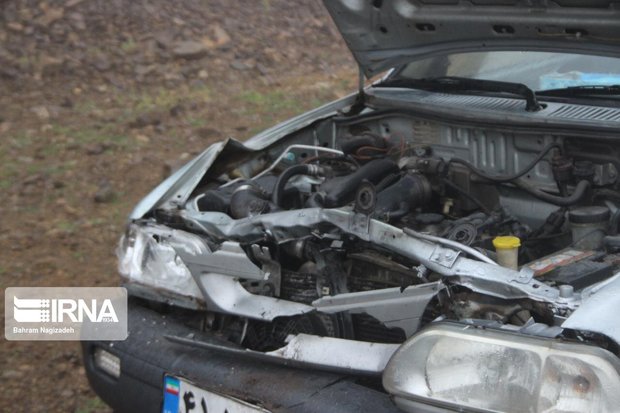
x=598, y=311
x=392, y=306
x=152, y=268
x=225, y=294
x=230, y=260
x=341, y=354
x=482, y=277
x=217, y=274
x=322, y=353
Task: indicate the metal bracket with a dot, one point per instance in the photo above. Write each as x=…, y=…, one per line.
x=359, y=225
x=446, y=257
x=525, y=275
x=271, y=268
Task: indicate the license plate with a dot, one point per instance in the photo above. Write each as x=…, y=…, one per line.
x=181, y=396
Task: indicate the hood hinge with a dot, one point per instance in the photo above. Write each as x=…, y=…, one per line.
x=360, y=99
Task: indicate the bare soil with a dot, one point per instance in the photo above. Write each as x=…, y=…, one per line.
x=99, y=100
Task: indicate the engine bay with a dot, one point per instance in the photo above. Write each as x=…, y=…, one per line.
x=370, y=227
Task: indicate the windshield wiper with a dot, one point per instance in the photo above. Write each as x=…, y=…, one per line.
x=586, y=90
x=463, y=84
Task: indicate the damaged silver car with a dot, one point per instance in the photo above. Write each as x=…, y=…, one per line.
x=445, y=239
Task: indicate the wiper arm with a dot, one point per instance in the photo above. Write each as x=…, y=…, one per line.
x=463, y=84
x=586, y=90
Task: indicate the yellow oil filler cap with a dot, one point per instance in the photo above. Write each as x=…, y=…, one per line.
x=506, y=242
x=507, y=249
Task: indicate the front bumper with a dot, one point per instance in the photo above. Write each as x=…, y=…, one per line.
x=146, y=356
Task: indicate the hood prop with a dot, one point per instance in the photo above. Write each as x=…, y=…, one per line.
x=360, y=100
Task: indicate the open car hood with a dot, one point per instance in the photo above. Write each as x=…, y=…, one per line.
x=385, y=34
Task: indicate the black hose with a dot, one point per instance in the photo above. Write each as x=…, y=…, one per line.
x=387, y=181
x=604, y=193
x=501, y=179
x=278, y=190
x=578, y=194
x=542, y=238
x=341, y=190
x=467, y=195
x=614, y=222
x=614, y=196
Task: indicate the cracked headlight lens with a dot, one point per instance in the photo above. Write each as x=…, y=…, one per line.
x=147, y=259
x=470, y=369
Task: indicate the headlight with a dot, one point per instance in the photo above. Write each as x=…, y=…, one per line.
x=466, y=368
x=146, y=258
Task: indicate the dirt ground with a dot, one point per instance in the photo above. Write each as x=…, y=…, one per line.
x=99, y=100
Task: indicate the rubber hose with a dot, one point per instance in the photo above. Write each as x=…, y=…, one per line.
x=507, y=178
x=578, y=194
x=278, y=191
x=467, y=195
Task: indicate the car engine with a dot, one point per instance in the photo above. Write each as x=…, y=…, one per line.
x=370, y=227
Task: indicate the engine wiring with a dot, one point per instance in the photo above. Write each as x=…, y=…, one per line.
x=507, y=178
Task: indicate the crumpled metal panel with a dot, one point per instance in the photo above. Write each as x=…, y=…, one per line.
x=392, y=306
x=598, y=312
x=225, y=294
x=231, y=260
x=479, y=276
x=309, y=351
x=337, y=353
x=217, y=274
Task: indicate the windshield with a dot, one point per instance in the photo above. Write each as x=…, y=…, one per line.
x=537, y=70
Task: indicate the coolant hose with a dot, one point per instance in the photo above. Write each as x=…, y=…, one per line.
x=278, y=191
x=578, y=194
